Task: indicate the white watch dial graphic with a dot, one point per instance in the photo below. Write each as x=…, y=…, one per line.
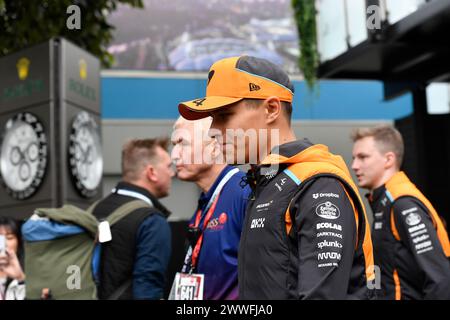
x=23, y=156
x=85, y=154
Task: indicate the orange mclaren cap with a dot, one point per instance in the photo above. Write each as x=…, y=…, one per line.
x=233, y=79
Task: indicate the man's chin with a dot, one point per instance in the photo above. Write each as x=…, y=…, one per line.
x=188, y=177
x=363, y=185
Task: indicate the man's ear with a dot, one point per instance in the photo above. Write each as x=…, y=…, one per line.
x=390, y=160
x=272, y=109
x=150, y=173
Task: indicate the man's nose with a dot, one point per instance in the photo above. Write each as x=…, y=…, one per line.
x=175, y=154
x=355, y=165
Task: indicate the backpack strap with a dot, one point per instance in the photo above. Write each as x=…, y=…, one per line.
x=125, y=210
x=91, y=208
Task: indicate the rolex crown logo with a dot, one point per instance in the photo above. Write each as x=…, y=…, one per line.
x=22, y=68
x=83, y=69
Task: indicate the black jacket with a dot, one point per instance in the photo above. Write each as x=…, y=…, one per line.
x=300, y=239
x=413, y=266
x=118, y=257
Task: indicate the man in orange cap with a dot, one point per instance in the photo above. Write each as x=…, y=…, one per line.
x=305, y=234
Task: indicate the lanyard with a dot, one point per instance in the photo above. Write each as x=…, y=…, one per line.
x=133, y=194
x=210, y=207
x=199, y=243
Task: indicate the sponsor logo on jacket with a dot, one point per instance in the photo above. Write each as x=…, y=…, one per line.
x=413, y=219
x=257, y=223
x=217, y=223
x=329, y=225
x=332, y=244
x=326, y=195
x=327, y=210
x=263, y=206
x=328, y=256
x=416, y=228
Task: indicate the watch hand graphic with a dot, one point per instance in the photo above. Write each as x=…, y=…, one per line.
x=32, y=151
x=19, y=159
x=85, y=160
x=15, y=156
x=85, y=154
x=24, y=171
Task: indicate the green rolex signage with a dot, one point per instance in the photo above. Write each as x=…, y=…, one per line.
x=80, y=76
x=50, y=137
x=25, y=77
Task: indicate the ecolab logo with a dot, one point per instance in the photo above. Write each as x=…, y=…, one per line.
x=328, y=225
x=257, y=223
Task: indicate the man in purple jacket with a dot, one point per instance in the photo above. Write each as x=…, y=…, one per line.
x=215, y=227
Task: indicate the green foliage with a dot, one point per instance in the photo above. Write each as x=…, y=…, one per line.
x=305, y=16
x=24, y=23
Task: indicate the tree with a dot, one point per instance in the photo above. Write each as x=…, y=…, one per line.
x=24, y=23
x=305, y=16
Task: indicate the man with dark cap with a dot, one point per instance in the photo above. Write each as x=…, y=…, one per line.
x=305, y=235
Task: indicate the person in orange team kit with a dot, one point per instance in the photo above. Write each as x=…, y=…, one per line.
x=305, y=234
x=411, y=245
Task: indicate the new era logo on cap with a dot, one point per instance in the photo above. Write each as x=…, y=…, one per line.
x=254, y=87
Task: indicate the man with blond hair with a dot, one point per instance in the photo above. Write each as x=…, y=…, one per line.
x=215, y=228
x=411, y=245
x=133, y=265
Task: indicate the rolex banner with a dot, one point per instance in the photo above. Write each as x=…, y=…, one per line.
x=50, y=139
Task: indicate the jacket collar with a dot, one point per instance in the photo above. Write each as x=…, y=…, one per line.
x=398, y=178
x=276, y=161
x=376, y=194
x=132, y=187
x=304, y=151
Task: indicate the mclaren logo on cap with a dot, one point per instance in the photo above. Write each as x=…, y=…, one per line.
x=199, y=102
x=210, y=75
x=254, y=87
x=83, y=69
x=22, y=68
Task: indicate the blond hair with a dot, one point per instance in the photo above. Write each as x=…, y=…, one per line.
x=137, y=154
x=387, y=139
